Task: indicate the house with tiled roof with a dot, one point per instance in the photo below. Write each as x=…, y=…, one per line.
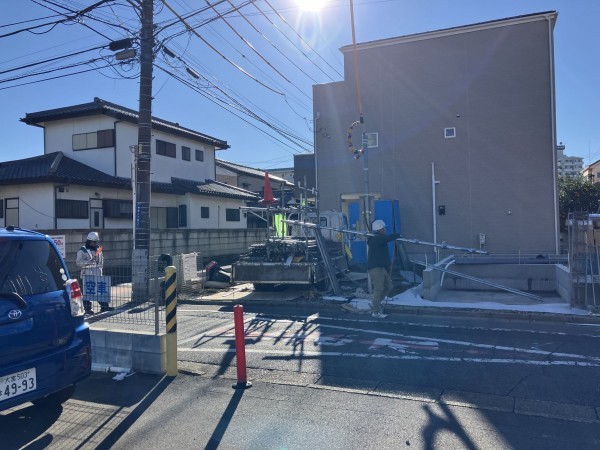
x=84, y=178
x=252, y=179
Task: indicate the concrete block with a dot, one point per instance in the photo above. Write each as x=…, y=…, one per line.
x=98, y=338
x=100, y=355
x=112, y=357
x=152, y=363
x=148, y=342
x=119, y=340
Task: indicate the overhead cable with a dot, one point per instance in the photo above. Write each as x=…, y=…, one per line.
x=217, y=51
x=56, y=22
x=272, y=44
x=297, y=34
x=248, y=43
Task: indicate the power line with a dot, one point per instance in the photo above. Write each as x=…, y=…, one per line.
x=217, y=51
x=223, y=104
x=50, y=78
x=52, y=59
x=67, y=19
x=298, y=34
x=249, y=44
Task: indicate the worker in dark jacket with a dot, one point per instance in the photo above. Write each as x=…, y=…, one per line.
x=378, y=265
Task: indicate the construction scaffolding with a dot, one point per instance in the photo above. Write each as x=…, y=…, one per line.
x=584, y=259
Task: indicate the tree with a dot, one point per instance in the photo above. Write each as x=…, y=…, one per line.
x=576, y=194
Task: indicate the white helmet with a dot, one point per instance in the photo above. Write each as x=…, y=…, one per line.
x=378, y=225
x=93, y=236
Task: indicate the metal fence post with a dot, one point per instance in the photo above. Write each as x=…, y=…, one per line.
x=171, y=313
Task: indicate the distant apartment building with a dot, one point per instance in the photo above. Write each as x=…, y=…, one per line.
x=287, y=173
x=592, y=172
x=570, y=166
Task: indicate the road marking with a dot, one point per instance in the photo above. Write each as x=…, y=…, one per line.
x=301, y=335
x=312, y=318
x=304, y=353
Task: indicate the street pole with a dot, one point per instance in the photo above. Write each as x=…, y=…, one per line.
x=142, y=201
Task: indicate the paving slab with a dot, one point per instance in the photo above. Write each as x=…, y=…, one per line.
x=564, y=411
x=478, y=400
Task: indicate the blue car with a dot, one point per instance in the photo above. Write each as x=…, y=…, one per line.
x=45, y=347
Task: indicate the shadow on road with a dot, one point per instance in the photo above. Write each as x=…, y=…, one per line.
x=134, y=415
x=221, y=428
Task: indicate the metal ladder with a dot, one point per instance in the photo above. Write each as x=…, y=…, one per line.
x=331, y=272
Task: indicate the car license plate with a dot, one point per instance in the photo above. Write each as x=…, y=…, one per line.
x=17, y=383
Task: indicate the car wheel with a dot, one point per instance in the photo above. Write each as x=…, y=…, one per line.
x=56, y=398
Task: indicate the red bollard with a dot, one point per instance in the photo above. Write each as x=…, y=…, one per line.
x=240, y=348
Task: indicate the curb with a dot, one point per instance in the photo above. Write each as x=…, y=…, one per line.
x=417, y=310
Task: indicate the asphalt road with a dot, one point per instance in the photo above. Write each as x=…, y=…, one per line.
x=341, y=380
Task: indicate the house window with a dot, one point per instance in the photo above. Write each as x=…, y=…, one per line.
x=186, y=153
x=166, y=149
x=96, y=139
x=183, y=216
x=1, y=209
x=232, y=215
x=71, y=209
x=122, y=209
x=12, y=212
x=204, y=212
x=199, y=155
x=450, y=133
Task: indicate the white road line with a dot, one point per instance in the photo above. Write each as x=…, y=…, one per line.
x=397, y=357
x=467, y=344
x=312, y=319
x=214, y=332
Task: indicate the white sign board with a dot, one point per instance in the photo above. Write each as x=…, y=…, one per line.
x=140, y=266
x=96, y=288
x=188, y=267
x=60, y=243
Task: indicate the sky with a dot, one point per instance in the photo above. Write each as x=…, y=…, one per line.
x=246, y=76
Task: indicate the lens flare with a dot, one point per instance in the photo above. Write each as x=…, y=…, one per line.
x=310, y=5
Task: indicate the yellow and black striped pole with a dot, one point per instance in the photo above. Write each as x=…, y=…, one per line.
x=171, y=310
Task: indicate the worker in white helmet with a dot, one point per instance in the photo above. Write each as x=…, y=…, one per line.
x=91, y=261
x=378, y=265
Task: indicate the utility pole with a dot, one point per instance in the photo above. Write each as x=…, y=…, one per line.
x=141, y=250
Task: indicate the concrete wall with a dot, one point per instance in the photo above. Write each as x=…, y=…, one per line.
x=138, y=351
x=563, y=282
x=118, y=244
x=524, y=277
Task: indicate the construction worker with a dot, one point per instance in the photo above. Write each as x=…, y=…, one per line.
x=378, y=265
x=91, y=261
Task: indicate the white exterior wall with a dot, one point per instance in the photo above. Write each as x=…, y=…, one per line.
x=36, y=205
x=74, y=192
x=58, y=137
x=165, y=167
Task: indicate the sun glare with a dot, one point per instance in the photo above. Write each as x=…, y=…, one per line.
x=310, y=5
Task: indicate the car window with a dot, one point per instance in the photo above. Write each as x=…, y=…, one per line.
x=30, y=267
